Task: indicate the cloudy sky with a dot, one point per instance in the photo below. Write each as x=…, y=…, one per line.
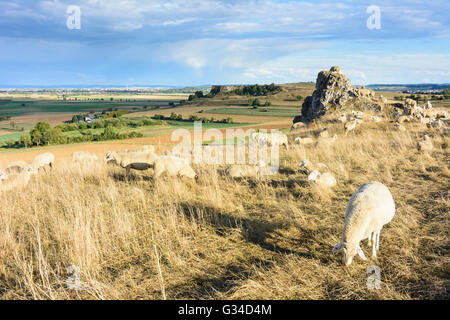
x=194, y=42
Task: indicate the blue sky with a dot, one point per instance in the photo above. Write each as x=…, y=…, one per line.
x=194, y=42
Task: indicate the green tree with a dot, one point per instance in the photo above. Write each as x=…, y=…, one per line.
x=25, y=139
x=36, y=137
x=110, y=132
x=10, y=143
x=42, y=127
x=447, y=93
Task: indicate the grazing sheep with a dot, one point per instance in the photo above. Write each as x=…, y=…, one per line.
x=326, y=141
x=267, y=171
x=368, y=210
x=43, y=160
x=264, y=138
x=16, y=167
x=399, y=127
x=82, y=157
x=424, y=120
x=402, y=119
x=131, y=160
x=304, y=141
x=3, y=175
x=425, y=145
x=298, y=125
x=173, y=166
x=245, y=170
x=324, y=133
x=375, y=118
x=436, y=124
x=20, y=180
x=358, y=114
x=281, y=139
x=351, y=125
x=309, y=166
x=322, y=179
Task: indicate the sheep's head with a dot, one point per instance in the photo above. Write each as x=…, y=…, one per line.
x=111, y=157
x=3, y=175
x=31, y=170
x=305, y=163
x=350, y=250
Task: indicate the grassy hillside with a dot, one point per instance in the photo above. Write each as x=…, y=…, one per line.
x=231, y=239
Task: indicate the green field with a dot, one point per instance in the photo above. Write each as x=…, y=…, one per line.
x=277, y=111
x=19, y=108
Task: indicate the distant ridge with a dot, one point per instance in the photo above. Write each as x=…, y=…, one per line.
x=409, y=87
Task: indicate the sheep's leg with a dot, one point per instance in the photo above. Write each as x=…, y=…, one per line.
x=378, y=240
x=369, y=239
x=374, y=250
x=373, y=237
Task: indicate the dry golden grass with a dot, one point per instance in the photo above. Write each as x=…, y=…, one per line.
x=224, y=239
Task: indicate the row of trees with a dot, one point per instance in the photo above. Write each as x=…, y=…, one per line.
x=44, y=134
x=256, y=103
x=178, y=117
x=425, y=98
x=198, y=95
x=257, y=90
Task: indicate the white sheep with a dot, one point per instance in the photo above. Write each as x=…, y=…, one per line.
x=16, y=167
x=20, y=180
x=270, y=139
x=325, y=179
x=368, y=210
x=43, y=160
x=280, y=139
x=343, y=117
x=309, y=166
x=351, y=125
x=326, y=141
x=131, y=160
x=246, y=170
x=425, y=145
x=324, y=133
x=173, y=166
x=375, y=118
x=304, y=141
x=399, y=127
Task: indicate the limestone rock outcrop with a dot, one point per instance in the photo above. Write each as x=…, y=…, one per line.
x=334, y=89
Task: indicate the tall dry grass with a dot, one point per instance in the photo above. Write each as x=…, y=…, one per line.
x=225, y=239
